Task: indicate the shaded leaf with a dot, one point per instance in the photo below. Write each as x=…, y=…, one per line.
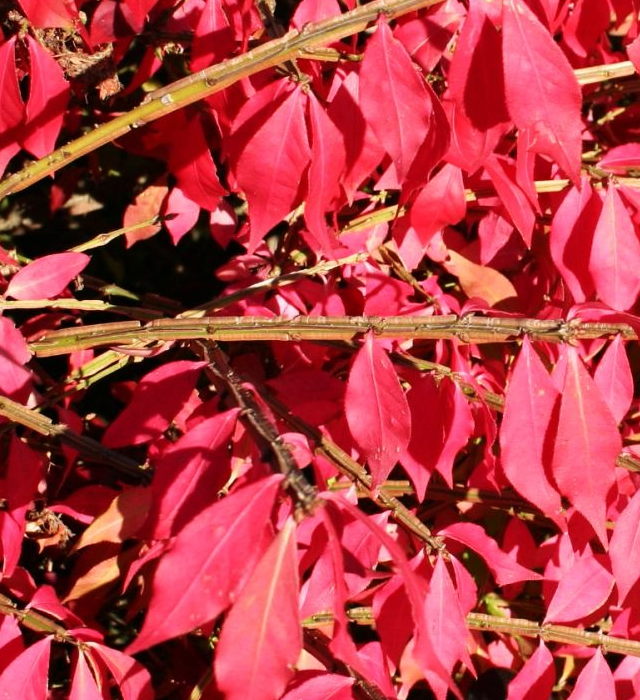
x=132, y=679
x=83, y=683
x=156, y=401
x=208, y=562
x=504, y=568
x=264, y=623
x=47, y=276
x=146, y=205
x=11, y=105
x=376, y=409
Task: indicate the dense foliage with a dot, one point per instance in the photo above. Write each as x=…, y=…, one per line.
x=317, y=349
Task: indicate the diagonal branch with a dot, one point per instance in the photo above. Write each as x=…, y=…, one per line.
x=196, y=87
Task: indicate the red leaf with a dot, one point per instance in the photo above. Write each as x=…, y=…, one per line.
x=48, y=96
x=212, y=38
x=536, y=678
x=27, y=675
x=441, y=202
x=585, y=428
x=156, y=401
x=234, y=530
x=264, y=623
x=423, y=650
x=626, y=539
x=446, y=619
x=270, y=173
x=194, y=169
x=595, y=681
x=543, y=95
x=402, y=118
x=132, y=679
x=11, y=105
x=504, y=568
x=571, y=234
x=50, y=13
x=615, y=254
x=323, y=686
x=476, y=81
x=327, y=165
x=145, y=206
x=614, y=379
x=582, y=590
x=376, y=409
x=584, y=26
x=341, y=643
x=529, y=403
x=47, y=276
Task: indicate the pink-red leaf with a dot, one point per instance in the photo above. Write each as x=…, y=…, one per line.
x=46, y=277
x=132, y=679
x=264, y=623
x=536, y=678
x=156, y=401
x=586, y=446
x=394, y=98
x=615, y=254
x=614, y=379
x=376, y=409
x=582, y=589
x=543, y=95
x=572, y=230
x=323, y=686
x=529, y=403
x=83, y=682
x=626, y=539
x=504, y=568
x=208, y=562
x=28, y=674
x=595, y=681
x=270, y=172
x=446, y=619
x=327, y=164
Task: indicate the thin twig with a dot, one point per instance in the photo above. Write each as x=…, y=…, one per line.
x=262, y=428
x=516, y=627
